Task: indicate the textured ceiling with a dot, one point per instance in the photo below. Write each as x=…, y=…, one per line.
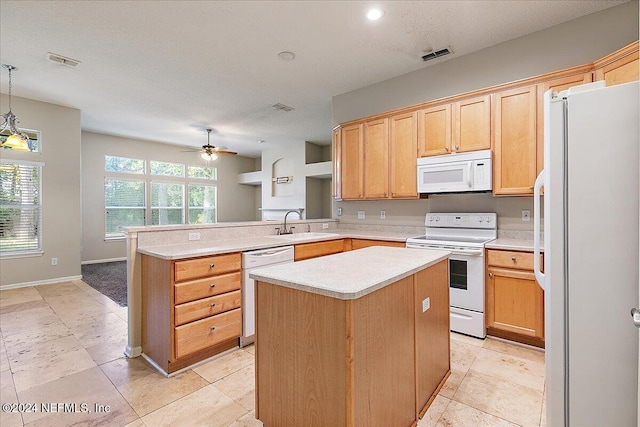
x=166, y=70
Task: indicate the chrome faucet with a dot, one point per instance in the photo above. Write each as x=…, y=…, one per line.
x=284, y=229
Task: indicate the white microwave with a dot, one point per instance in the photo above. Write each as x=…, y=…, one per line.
x=453, y=173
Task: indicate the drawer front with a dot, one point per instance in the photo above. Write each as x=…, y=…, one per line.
x=510, y=259
x=204, y=333
x=312, y=250
x=365, y=243
x=207, y=287
x=208, y=266
x=199, y=309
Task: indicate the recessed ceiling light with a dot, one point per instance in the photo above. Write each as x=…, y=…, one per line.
x=374, y=14
x=287, y=56
x=261, y=141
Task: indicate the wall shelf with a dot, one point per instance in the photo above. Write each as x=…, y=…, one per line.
x=250, y=178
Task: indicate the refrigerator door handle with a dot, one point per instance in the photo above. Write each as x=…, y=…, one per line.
x=536, y=229
x=635, y=313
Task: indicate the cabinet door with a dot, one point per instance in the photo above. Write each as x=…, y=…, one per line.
x=472, y=124
x=403, y=147
x=619, y=67
x=515, y=141
x=515, y=302
x=337, y=162
x=376, y=159
x=352, y=145
x=434, y=130
x=557, y=85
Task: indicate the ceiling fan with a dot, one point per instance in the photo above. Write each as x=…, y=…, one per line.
x=211, y=152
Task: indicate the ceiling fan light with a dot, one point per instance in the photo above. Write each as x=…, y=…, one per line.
x=16, y=142
x=208, y=156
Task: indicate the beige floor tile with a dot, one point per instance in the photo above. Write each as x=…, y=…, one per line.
x=251, y=349
x=154, y=391
x=467, y=339
x=460, y=415
x=29, y=305
x=205, y=407
x=529, y=353
x=125, y=371
x=453, y=382
x=10, y=419
x=26, y=339
x=136, y=423
x=7, y=388
x=90, y=387
x=17, y=296
x=543, y=413
x=247, y=420
x=57, y=289
x=122, y=312
x=510, y=368
x=41, y=352
x=225, y=365
x=108, y=350
x=25, y=320
x=69, y=305
x=4, y=359
x=434, y=412
x=240, y=386
x=97, y=329
x=463, y=355
x=504, y=399
x=58, y=366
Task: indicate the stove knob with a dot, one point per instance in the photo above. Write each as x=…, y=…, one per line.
x=480, y=219
x=437, y=218
x=488, y=219
x=430, y=219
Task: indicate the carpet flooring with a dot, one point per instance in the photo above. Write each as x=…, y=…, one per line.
x=109, y=278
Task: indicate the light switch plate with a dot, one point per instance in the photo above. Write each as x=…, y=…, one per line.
x=383, y=214
x=526, y=215
x=339, y=211
x=426, y=304
x=325, y=226
x=360, y=214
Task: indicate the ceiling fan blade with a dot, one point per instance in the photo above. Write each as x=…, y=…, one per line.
x=231, y=153
x=189, y=151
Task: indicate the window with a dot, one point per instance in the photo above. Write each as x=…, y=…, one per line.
x=167, y=206
x=203, y=172
x=20, y=207
x=123, y=164
x=124, y=202
x=202, y=204
x=166, y=168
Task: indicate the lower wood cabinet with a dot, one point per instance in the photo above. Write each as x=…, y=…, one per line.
x=365, y=243
x=514, y=300
x=316, y=249
x=191, y=309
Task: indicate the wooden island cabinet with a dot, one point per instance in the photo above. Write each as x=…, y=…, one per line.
x=344, y=340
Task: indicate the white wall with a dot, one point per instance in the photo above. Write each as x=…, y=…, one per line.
x=235, y=202
x=60, y=131
x=569, y=44
x=297, y=199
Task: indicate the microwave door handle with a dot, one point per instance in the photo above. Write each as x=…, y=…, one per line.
x=469, y=174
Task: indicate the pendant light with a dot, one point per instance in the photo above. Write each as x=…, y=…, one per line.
x=18, y=140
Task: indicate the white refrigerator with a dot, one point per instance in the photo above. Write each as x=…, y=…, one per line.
x=590, y=277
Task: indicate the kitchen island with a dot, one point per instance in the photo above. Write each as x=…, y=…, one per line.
x=359, y=338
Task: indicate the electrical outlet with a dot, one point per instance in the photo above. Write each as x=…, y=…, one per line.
x=426, y=304
x=54, y=261
x=360, y=214
x=526, y=215
x=325, y=226
x=339, y=211
x=194, y=236
x=383, y=214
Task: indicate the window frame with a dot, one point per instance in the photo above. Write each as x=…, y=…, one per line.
x=143, y=208
x=37, y=251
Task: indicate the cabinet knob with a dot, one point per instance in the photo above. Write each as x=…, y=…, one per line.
x=213, y=328
x=491, y=275
x=457, y=147
x=213, y=305
x=213, y=285
x=211, y=265
x=359, y=194
x=447, y=148
x=385, y=194
x=513, y=259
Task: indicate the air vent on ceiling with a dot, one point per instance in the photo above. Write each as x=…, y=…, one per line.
x=282, y=107
x=436, y=54
x=59, y=59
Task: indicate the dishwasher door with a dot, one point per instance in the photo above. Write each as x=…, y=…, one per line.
x=250, y=261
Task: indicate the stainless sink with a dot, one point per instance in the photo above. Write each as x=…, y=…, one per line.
x=304, y=236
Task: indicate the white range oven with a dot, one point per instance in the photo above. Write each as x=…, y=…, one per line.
x=464, y=235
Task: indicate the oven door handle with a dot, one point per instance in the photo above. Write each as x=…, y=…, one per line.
x=469, y=253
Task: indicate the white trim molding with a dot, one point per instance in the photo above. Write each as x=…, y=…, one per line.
x=40, y=282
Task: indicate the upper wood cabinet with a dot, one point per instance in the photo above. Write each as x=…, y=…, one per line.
x=515, y=133
x=376, y=159
x=337, y=163
x=455, y=127
x=403, y=146
x=619, y=67
x=352, y=145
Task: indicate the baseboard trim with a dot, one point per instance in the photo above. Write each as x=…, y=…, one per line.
x=132, y=352
x=40, y=282
x=100, y=261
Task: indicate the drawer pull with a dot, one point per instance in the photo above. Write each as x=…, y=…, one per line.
x=213, y=328
x=211, y=265
x=213, y=285
x=513, y=259
x=491, y=275
x=213, y=305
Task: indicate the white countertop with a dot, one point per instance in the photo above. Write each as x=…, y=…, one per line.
x=202, y=248
x=513, y=244
x=353, y=274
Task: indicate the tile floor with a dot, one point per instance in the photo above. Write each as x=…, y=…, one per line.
x=63, y=343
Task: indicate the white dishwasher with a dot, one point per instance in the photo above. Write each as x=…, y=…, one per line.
x=250, y=261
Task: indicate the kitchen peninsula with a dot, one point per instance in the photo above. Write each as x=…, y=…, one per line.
x=356, y=338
